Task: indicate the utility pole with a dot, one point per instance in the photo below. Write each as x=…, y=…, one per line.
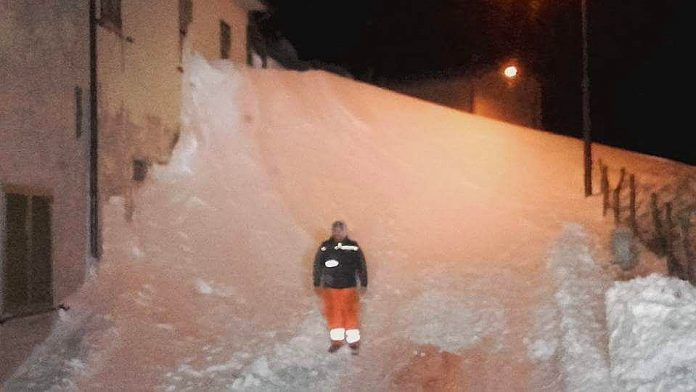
x=586, y=124
x=94, y=224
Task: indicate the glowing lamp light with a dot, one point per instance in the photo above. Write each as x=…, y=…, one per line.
x=510, y=72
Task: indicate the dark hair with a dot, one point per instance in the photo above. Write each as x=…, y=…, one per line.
x=338, y=224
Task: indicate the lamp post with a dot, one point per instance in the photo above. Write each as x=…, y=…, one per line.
x=586, y=125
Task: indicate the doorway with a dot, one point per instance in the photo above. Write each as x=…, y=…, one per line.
x=26, y=275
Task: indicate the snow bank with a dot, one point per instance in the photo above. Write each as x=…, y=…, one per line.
x=70, y=351
x=580, y=288
x=299, y=364
x=209, y=112
x=653, y=334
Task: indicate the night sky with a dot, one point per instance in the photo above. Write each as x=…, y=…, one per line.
x=637, y=48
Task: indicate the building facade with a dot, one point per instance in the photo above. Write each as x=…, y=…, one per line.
x=58, y=161
x=44, y=135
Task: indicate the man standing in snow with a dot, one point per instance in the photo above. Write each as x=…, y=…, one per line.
x=337, y=266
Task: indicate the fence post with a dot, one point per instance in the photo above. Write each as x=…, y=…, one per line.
x=674, y=268
x=605, y=188
x=617, y=197
x=632, y=219
x=688, y=251
x=669, y=229
x=657, y=222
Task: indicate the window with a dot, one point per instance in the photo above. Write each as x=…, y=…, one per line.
x=25, y=265
x=110, y=16
x=225, y=40
x=249, y=43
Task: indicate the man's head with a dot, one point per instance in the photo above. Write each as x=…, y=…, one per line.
x=339, y=231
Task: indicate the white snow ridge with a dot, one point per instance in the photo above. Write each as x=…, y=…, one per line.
x=653, y=334
x=579, y=296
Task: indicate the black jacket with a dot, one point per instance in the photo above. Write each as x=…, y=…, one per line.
x=338, y=263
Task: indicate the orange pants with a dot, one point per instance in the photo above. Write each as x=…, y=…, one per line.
x=342, y=308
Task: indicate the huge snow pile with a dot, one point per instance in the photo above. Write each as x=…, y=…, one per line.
x=209, y=286
x=652, y=321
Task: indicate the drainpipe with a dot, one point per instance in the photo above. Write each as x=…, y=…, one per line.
x=94, y=229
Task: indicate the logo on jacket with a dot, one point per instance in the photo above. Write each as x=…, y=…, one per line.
x=345, y=247
x=331, y=263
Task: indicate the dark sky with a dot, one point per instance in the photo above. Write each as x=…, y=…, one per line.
x=637, y=55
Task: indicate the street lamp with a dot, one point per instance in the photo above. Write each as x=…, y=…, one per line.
x=586, y=125
x=510, y=72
